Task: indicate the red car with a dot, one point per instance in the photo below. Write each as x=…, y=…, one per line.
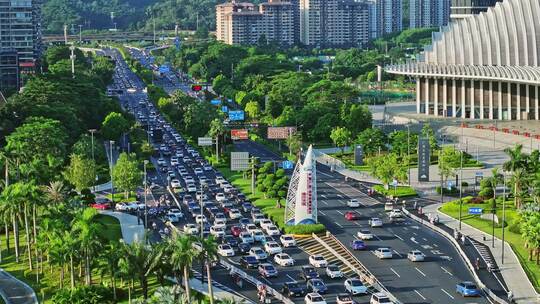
x=236, y=230
x=101, y=204
x=352, y=216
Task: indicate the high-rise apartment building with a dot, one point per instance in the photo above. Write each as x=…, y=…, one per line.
x=429, y=13
x=9, y=70
x=20, y=31
x=466, y=8
x=325, y=23
x=386, y=17
x=246, y=23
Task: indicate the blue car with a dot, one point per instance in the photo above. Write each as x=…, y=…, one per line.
x=317, y=285
x=358, y=245
x=467, y=289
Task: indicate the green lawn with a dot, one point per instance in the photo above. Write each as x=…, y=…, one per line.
x=514, y=239
x=400, y=191
x=348, y=160
x=121, y=197
x=112, y=229
x=268, y=205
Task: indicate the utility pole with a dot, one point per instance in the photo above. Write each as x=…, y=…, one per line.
x=408, y=153
x=111, y=143
x=253, y=175
x=145, y=192
x=80, y=33
x=154, y=26
x=504, y=216
x=217, y=148
x=65, y=34
x=72, y=57
x=92, y=131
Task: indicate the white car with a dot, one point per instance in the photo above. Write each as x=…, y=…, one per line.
x=132, y=206
x=388, y=207
x=314, y=298
x=176, y=212
x=395, y=213
x=251, y=227
x=246, y=237
x=200, y=219
x=220, y=180
x=333, y=271
x=191, y=188
x=258, y=253
x=198, y=171
x=258, y=235
x=416, y=256
x=225, y=250
x=235, y=214
x=364, y=234
x=265, y=223
x=121, y=207
x=220, y=197
x=161, y=162
x=217, y=232
x=318, y=261
x=257, y=218
x=272, y=230
x=191, y=229
x=220, y=223
x=287, y=240
x=174, y=161
x=375, y=222
x=383, y=253
x=355, y=286
x=171, y=217
x=379, y=298
x=272, y=248
x=283, y=259
x=353, y=203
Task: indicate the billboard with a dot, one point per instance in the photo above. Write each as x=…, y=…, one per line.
x=280, y=132
x=423, y=159
x=205, y=141
x=236, y=115
x=239, y=134
x=358, y=155
x=239, y=161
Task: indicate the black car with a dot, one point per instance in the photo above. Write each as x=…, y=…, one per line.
x=231, y=240
x=247, y=206
x=293, y=289
x=308, y=273
x=244, y=248
x=249, y=261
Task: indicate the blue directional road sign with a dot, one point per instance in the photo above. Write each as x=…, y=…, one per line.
x=224, y=109
x=475, y=210
x=215, y=102
x=287, y=165
x=164, y=69
x=236, y=115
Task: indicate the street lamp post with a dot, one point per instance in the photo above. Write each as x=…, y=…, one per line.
x=92, y=131
x=111, y=143
x=145, y=192
x=504, y=216
x=460, y=185
x=408, y=153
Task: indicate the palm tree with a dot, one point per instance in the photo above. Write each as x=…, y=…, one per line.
x=111, y=256
x=141, y=260
x=209, y=250
x=519, y=179
x=531, y=233
x=88, y=231
x=518, y=159
x=182, y=256
x=55, y=192
x=60, y=252
x=10, y=208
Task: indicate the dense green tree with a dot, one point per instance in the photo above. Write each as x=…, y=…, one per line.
x=341, y=137
x=372, y=140
x=399, y=140
x=356, y=118
x=81, y=172
x=114, y=126
x=427, y=132
x=126, y=173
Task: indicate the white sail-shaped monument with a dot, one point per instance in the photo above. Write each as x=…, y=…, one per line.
x=301, y=205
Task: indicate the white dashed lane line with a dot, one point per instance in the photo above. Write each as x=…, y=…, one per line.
x=420, y=271
x=446, y=292
x=398, y=254
x=322, y=213
x=339, y=225
x=395, y=272
x=339, y=212
x=398, y=237
x=444, y=269
x=420, y=295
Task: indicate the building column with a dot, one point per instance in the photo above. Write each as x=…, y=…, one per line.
x=536, y=98
x=473, y=95
x=463, y=98
x=454, y=98
x=436, y=95
x=500, y=101
x=427, y=96
x=509, y=101
x=482, y=99
x=527, y=100
x=418, y=95
x=518, y=103
x=445, y=97
x=491, y=100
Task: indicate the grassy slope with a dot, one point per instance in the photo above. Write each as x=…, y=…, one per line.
x=514, y=239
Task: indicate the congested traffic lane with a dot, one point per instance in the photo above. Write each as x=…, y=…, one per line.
x=431, y=281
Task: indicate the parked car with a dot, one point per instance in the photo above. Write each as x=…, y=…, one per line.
x=395, y=213
x=355, y=286
x=344, y=298
x=258, y=253
x=236, y=230
x=272, y=248
x=467, y=289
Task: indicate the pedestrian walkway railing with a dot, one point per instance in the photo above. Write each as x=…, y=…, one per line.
x=328, y=160
x=363, y=273
x=455, y=243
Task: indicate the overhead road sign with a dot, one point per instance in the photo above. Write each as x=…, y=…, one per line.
x=224, y=109
x=287, y=165
x=215, y=102
x=239, y=134
x=239, y=161
x=280, y=132
x=475, y=210
x=205, y=141
x=236, y=115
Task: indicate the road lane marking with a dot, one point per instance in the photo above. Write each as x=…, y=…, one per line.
x=339, y=195
x=444, y=269
x=398, y=237
x=339, y=225
x=339, y=212
x=322, y=213
x=446, y=292
x=419, y=294
x=323, y=195
x=425, y=240
x=375, y=236
x=324, y=202
x=357, y=223
x=415, y=233
x=397, y=253
x=325, y=174
x=420, y=271
x=292, y=279
x=395, y=272
x=412, y=239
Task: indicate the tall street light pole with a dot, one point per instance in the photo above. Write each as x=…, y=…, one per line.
x=460, y=185
x=409, y=153
x=92, y=131
x=145, y=192
x=504, y=216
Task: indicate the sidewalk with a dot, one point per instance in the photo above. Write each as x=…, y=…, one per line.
x=514, y=276
x=14, y=291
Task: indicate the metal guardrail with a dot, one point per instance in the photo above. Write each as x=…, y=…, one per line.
x=465, y=258
x=363, y=273
x=331, y=162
